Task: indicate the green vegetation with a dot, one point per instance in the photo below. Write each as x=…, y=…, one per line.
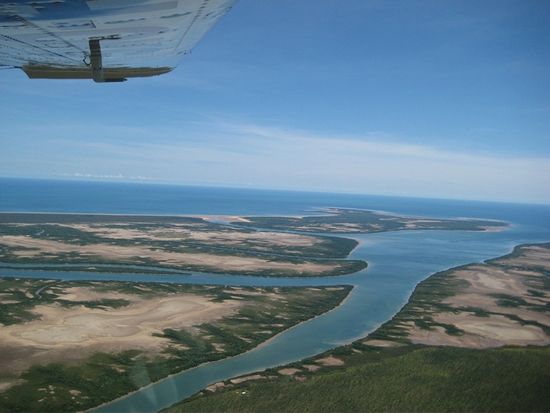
x=62, y=388
x=103, y=377
x=243, y=331
x=509, y=262
x=149, y=235
x=409, y=378
x=355, y=221
x=122, y=269
x=59, y=227
x=174, y=234
x=338, y=267
x=39, y=218
x=518, y=251
x=428, y=298
x=322, y=246
x=19, y=297
x=425, y=301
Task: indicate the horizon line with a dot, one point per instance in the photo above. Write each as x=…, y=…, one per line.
x=255, y=188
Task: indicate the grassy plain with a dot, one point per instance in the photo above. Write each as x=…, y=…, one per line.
x=473, y=338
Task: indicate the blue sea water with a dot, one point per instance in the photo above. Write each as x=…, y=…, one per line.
x=397, y=260
x=35, y=195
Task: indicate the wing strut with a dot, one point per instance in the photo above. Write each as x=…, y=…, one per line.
x=96, y=64
x=95, y=61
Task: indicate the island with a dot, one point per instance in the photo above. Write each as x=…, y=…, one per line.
x=473, y=338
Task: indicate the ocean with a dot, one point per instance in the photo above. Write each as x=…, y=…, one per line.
x=37, y=195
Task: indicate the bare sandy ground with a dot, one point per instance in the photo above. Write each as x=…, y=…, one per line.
x=380, y=343
x=311, y=367
x=414, y=223
x=119, y=253
x=487, y=286
x=493, y=228
x=535, y=256
x=215, y=387
x=335, y=227
x=73, y=333
x=288, y=371
x=330, y=361
x=497, y=331
x=221, y=385
x=225, y=218
x=247, y=378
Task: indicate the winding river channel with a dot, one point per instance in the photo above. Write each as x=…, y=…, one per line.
x=397, y=262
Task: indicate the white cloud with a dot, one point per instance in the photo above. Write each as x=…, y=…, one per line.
x=119, y=177
x=256, y=155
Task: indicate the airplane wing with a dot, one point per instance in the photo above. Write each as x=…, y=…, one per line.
x=103, y=40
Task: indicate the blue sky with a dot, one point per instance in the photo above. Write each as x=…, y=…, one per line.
x=424, y=98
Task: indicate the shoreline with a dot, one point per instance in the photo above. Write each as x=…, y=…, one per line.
x=271, y=339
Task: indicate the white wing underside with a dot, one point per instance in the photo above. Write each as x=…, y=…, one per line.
x=51, y=38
